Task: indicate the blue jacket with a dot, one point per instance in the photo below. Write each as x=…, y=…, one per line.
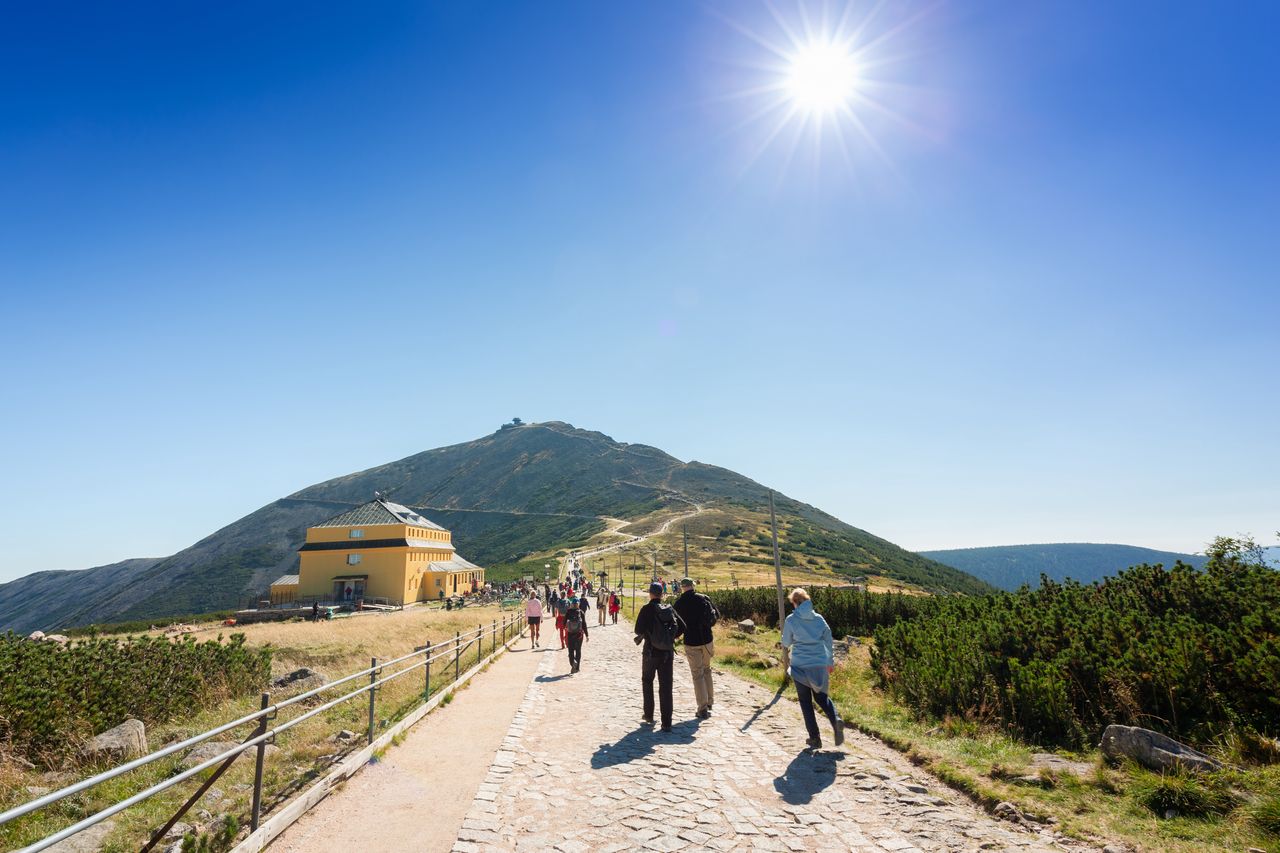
x=808, y=637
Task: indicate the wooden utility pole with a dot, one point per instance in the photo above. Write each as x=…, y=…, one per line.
x=777, y=574
x=686, y=550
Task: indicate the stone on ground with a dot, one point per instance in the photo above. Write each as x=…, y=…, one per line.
x=127, y=740
x=1154, y=750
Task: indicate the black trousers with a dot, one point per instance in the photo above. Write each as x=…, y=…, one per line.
x=574, y=642
x=657, y=663
x=807, y=697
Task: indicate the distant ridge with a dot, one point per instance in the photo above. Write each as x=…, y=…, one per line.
x=1011, y=566
x=522, y=490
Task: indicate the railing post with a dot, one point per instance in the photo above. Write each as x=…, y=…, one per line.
x=426, y=691
x=373, y=696
x=494, y=650
x=257, y=769
x=457, y=646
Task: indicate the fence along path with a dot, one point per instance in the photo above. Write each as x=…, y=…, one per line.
x=446, y=658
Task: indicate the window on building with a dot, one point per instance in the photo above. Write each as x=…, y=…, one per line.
x=357, y=534
x=353, y=559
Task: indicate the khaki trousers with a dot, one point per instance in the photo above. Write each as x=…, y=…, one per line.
x=699, y=658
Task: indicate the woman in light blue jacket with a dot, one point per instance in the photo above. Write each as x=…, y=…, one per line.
x=807, y=637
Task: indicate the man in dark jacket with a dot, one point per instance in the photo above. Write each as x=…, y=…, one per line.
x=657, y=626
x=699, y=616
x=575, y=631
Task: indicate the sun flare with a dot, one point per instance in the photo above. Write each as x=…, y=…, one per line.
x=829, y=82
x=821, y=77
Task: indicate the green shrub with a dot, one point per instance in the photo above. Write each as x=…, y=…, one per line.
x=847, y=611
x=1194, y=653
x=51, y=698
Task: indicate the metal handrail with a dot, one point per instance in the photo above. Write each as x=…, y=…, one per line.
x=454, y=648
x=54, y=796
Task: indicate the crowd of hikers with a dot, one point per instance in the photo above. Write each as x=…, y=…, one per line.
x=691, y=618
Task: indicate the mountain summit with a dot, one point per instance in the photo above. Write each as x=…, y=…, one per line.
x=525, y=490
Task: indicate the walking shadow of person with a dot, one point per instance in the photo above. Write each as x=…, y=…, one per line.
x=806, y=775
x=640, y=743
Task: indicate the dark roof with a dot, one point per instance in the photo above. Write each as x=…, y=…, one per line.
x=366, y=544
x=378, y=511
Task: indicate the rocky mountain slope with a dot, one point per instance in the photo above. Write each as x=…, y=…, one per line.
x=522, y=490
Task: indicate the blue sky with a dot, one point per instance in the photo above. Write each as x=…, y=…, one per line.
x=246, y=247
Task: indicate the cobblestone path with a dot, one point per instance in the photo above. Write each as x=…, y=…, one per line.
x=577, y=772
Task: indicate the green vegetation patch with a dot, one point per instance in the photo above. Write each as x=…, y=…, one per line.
x=52, y=698
x=1192, y=653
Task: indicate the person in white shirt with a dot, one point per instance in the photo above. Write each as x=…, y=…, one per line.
x=533, y=610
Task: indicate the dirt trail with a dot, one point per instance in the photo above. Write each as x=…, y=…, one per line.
x=416, y=796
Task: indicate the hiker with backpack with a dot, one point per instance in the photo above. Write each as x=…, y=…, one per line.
x=615, y=604
x=807, y=637
x=658, y=626
x=575, y=631
x=700, y=616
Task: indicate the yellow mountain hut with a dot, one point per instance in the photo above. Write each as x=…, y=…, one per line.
x=382, y=553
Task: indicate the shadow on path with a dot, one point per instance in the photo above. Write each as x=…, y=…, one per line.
x=546, y=678
x=806, y=775
x=763, y=708
x=640, y=743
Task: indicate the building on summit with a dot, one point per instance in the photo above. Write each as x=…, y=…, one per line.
x=379, y=551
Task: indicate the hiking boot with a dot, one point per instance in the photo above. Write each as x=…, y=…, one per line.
x=648, y=721
x=704, y=714
x=666, y=728
x=814, y=743
x=839, y=727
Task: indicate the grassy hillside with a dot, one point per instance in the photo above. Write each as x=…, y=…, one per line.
x=1011, y=566
x=522, y=492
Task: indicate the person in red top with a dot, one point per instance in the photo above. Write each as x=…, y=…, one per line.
x=561, y=606
x=615, y=604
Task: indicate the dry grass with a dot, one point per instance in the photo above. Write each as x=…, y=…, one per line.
x=709, y=554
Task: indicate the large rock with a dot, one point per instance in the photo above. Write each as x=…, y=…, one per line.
x=1154, y=750
x=127, y=740
x=299, y=681
x=747, y=626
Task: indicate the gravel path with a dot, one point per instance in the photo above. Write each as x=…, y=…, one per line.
x=577, y=772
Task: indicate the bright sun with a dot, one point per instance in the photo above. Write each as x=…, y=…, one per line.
x=821, y=77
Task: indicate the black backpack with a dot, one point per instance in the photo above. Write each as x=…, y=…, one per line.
x=573, y=622
x=664, y=630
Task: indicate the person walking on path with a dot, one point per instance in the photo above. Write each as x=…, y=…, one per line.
x=807, y=637
x=615, y=604
x=562, y=606
x=602, y=602
x=657, y=627
x=700, y=616
x=533, y=612
x=575, y=630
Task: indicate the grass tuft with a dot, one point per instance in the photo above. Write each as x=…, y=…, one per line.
x=1184, y=794
x=1265, y=815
